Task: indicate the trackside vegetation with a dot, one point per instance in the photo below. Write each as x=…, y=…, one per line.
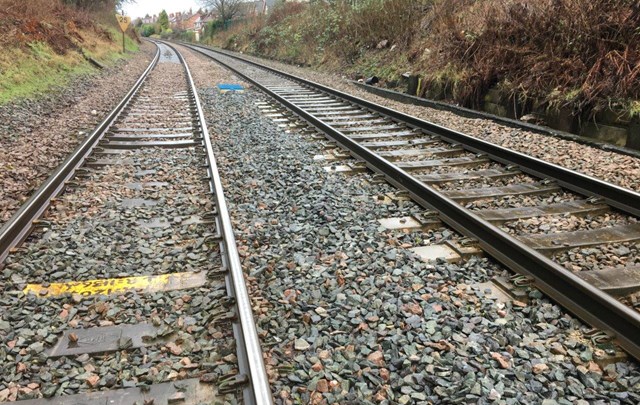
x=583, y=55
x=47, y=43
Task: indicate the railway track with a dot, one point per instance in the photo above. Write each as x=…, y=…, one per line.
x=487, y=193
x=121, y=282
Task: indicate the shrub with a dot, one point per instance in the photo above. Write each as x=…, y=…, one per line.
x=579, y=53
x=589, y=49
x=375, y=20
x=146, y=30
x=188, y=36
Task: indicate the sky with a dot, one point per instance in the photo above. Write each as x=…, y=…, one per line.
x=140, y=8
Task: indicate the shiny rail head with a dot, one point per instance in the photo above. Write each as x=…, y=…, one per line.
x=20, y=224
x=587, y=302
x=260, y=390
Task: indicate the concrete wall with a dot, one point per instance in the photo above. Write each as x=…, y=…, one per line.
x=608, y=126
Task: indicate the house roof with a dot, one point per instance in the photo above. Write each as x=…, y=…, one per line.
x=190, y=22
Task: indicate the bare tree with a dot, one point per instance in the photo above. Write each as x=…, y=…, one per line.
x=226, y=9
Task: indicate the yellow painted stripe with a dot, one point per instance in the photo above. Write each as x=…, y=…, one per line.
x=163, y=282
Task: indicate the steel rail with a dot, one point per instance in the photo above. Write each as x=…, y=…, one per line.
x=584, y=300
x=510, y=122
x=22, y=222
x=621, y=198
x=260, y=390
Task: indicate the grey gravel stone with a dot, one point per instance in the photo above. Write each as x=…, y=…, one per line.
x=91, y=235
x=607, y=165
x=302, y=344
x=438, y=333
x=5, y=326
x=58, y=119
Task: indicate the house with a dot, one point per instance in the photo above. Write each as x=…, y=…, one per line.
x=189, y=24
x=176, y=20
x=201, y=22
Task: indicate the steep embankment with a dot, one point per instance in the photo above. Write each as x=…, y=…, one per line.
x=566, y=61
x=51, y=97
x=47, y=43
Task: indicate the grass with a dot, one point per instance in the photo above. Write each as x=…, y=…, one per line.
x=26, y=72
x=109, y=53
